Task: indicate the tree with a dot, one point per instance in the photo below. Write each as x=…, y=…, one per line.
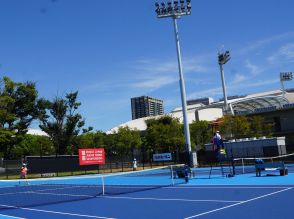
x=62, y=123
x=200, y=133
x=235, y=126
x=89, y=140
x=260, y=127
x=245, y=126
x=164, y=134
x=126, y=141
x=33, y=145
x=19, y=106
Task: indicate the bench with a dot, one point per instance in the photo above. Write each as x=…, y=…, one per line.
x=278, y=165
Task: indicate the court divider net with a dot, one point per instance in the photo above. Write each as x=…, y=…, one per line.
x=247, y=165
x=36, y=192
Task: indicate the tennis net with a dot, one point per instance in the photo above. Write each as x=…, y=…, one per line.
x=247, y=165
x=36, y=192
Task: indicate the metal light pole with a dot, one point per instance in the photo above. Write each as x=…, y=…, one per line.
x=176, y=10
x=285, y=76
x=223, y=58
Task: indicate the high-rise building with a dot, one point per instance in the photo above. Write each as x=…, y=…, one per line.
x=146, y=106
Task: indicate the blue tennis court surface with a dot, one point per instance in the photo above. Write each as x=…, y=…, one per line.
x=242, y=196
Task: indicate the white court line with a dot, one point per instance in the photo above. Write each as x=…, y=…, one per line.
x=240, y=203
x=45, y=193
x=57, y=212
x=8, y=216
x=227, y=187
x=166, y=199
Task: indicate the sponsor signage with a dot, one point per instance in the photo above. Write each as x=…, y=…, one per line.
x=162, y=157
x=91, y=156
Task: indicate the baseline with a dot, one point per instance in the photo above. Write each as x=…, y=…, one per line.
x=229, y=187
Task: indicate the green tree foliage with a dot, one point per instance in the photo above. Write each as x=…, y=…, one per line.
x=164, y=134
x=256, y=126
x=200, y=134
x=125, y=141
x=235, y=126
x=245, y=127
x=33, y=145
x=61, y=122
x=19, y=106
x=110, y=145
x=260, y=127
x=89, y=140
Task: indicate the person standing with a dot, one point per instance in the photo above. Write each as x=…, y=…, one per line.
x=187, y=171
x=23, y=171
x=134, y=164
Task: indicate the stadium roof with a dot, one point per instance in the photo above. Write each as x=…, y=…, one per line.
x=36, y=132
x=257, y=102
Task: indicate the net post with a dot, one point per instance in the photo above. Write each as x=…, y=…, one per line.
x=172, y=174
x=243, y=167
x=233, y=165
x=103, y=188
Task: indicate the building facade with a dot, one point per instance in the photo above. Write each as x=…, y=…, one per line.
x=205, y=101
x=145, y=106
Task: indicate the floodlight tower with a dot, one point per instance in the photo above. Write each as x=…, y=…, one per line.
x=176, y=10
x=285, y=76
x=223, y=58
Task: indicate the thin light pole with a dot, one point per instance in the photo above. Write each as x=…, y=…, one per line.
x=224, y=87
x=223, y=58
x=175, y=10
x=183, y=90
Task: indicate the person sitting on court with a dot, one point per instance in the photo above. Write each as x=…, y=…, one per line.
x=23, y=171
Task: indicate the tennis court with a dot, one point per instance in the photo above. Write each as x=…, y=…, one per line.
x=150, y=196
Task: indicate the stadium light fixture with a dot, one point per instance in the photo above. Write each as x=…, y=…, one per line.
x=175, y=10
x=223, y=58
x=285, y=76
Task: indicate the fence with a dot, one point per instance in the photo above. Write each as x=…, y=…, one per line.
x=44, y=166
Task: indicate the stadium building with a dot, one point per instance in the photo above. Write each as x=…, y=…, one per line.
x=276, y=106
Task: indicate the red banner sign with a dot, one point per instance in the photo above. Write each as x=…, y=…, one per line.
x=90, y=156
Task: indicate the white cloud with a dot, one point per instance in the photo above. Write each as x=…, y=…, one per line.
x=254, y=69
x=155, y=83
x=239, y=78
x=154, y=74
x=244, y=86
x=261, y=83
x=155, y=67
x=288, y=51
x=285, y=53
x=206, y=93
x=263, y=42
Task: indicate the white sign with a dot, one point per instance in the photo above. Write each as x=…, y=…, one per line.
x=162, y=157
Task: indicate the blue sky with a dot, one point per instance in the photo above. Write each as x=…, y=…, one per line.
x=111, y=51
